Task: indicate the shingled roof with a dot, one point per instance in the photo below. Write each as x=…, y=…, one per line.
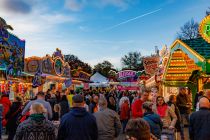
x=200, y=46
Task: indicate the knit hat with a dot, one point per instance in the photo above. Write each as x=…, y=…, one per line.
x=78, y=98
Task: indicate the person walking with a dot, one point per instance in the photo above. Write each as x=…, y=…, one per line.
x=200, y=121
x=137, y=105
x=196, y=99
x=12, y=117
x=167, y=116
x=78, y=124
x=125, y=113
x=172, y=104
x=138, y=129
x=184, y=104
x=153, y=119
x=108, y=121
x=64, y=105
x=6, y=106
x=36, y=127
x=93, y=107
x=40, y=99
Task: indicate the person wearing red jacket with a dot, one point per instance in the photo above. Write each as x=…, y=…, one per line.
x=124, y=114
x=6, y=104
x=137, y=105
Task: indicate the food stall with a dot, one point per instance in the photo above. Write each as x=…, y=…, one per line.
x=53, y=70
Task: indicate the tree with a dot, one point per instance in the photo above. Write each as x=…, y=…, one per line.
x=208, y=12
x=189, y=30
x=133, y=61
x=103, y=68
x=75, y=62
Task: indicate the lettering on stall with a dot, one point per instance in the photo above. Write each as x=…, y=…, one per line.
x=207, y=29
x=126, y=73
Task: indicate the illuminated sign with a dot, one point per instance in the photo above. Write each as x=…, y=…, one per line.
x=151, y=65
x=126, y=73
x=204, y=28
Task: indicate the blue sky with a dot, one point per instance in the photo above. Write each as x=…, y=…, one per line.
x=92, y=29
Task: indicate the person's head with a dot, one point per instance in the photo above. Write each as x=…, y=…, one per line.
x=160, y=101
x=95, y=99
x=182, y=90
x=201, y=92
x=40, y=95
x=78, y=101
x=18, y=99
x=207, y=94
x=102, y=102
x=204, y=102
x=172, y=98
x=64, y=98
x=137, y=129
x=147, y=106
x=126, y=101
x=145, y=96
x=111, y=100
x=56, y=108
x=37, y=108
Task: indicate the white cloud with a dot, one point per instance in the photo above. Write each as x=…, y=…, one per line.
x=114, y=60
x=16, y=6
x=78, y=5
x=84, y=28
x=117, y=3
x=75, y=5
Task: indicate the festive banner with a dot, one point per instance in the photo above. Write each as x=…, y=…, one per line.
x=37, y=80
x=68, y=82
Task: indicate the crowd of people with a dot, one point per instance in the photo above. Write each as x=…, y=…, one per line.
x=104, y=115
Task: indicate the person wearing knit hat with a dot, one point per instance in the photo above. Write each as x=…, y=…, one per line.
x=78, y=124
x=153, y=119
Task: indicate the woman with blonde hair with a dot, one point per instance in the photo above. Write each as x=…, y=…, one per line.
x=36, y=127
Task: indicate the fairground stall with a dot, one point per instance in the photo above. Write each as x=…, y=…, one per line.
x=189, y=63
x=98, y=80
x=12, y=52
x=128, y=80
x=50, y=72
x=80, y=79
x=188, y=66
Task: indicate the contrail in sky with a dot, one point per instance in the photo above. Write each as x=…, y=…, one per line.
x=132, y=19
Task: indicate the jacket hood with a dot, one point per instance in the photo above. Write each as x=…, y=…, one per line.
x=152, y=116
x=79, y=111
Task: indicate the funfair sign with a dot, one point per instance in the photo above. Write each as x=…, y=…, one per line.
x=126, y=74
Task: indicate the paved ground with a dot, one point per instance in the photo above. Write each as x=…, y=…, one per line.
x=122, y=136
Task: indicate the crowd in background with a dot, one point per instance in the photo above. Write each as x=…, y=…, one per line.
x=104, y=115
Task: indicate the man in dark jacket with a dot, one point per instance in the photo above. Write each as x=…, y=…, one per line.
x=153, y=119
x=172, y=104
x=184, y=105
x=200, y=121
x=197, y=96
x=78, y=124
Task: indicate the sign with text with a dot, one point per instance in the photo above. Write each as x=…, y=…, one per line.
x=151, y=65
x=126, y=73
x=204, y=28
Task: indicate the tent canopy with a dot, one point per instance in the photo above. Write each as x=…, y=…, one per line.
x=98, y=78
